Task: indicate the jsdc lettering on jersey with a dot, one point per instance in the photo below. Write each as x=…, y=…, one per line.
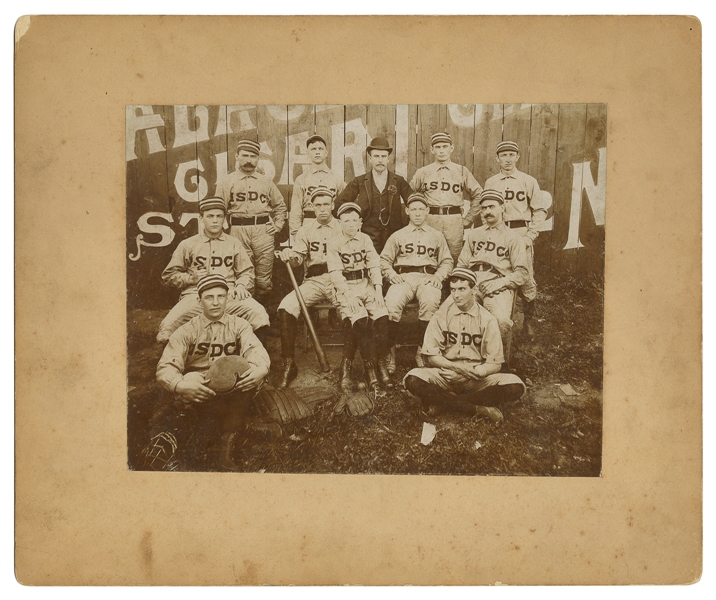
x=443, y=186
x=520, y=196
x=250, y=196
x=489, y=247
x=450, y=338
x=216, y=261
x=355, y=259
x=419, y=249
x=314, y=247
x=214, y=350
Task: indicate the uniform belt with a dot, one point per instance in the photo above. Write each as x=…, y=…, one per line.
x=354, y=275
x=249, y=220
x=409, y=269
x=445, y=210
x=481, y=266
x=517, y=224
x=316, y=270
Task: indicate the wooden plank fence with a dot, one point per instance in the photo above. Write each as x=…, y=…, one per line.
x=176, y=154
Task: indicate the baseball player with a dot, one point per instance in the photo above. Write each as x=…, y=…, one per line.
x=211, y=252
x=497, y=257
x=416, y=261
x=378, y=193
x=191, y=350
x=354, y=269
x=443, y=183
x=317, y=174
x=463, y=348
x=525, y=211
x=256, y=211
x=309, y=248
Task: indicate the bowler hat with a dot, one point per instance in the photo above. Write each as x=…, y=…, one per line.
x=380, y=143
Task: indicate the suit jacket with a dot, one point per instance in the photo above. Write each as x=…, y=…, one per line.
x=363, y=192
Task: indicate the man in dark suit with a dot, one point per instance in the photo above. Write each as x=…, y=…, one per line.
x=379, y=193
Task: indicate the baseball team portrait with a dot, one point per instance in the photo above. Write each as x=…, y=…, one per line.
x=368, y=289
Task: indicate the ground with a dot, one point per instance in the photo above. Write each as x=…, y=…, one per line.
x=548, y=433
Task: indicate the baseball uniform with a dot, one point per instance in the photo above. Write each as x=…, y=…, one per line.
x=443, y=186
x=252, y=200
x=354, y=269
x=414, y=253
x=197, y=344
x=525, y=211
x=311, y=244
x=469, y=337
x=312, y=177
x=493, y=252
x=203, y=255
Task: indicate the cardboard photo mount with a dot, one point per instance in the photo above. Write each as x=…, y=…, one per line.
x=83, y=518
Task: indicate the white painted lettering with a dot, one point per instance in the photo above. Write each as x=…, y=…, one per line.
x=184, y=133
x=356, y=149
x=596, y=195
x=142, y=118
x=164, y=231
x=202, y=187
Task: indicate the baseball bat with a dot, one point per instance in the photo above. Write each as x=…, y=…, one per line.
x=320, y=354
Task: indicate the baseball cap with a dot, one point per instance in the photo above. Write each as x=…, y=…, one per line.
x=215, y=202
x=507, y=146
x=249, y=146
x=440, y=138
x=463, y=273
x=211, y=281
x=321, y=190
x=416, y=198
x=492, y=195
x=315, y=138
x=343, y=208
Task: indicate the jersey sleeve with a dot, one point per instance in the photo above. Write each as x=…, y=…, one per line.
x=444, y=258
x=491, y=347
x=539, y=205
x=372, y=262
x=252, y=349
x=388, y=256
x=178, y=273
x=300, y=244
x=335, y=267
x=518, y=258
x=279, y=206
x=463, y=260
x=475, y=192
x=170, y=369
x=295, y=219
x=434, y=341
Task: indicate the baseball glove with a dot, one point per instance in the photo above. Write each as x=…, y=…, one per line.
x=283, y=406
x=357, y=404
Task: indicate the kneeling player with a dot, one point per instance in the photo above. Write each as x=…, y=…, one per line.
x=354, y=268
x=211, y=252
x=309, y=248
x=416, y=260
x=191, y=351
x=462, y=345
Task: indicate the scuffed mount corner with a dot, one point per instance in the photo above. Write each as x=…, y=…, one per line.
x=21, y=27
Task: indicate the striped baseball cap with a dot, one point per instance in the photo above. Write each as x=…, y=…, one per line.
x=215, y=202
x=416, y=198
x=492, y=195
x=211, y=281
x=321, y=190
x=315, y=138
x=463, y=273
x=507, y=146
x=440, y=138
x=343, y=208
x=249, y=146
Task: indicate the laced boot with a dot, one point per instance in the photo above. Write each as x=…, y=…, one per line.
x=345, y=377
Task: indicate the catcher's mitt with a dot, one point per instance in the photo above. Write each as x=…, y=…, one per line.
x=357, y=404
x=283, y=406
x=225, y=372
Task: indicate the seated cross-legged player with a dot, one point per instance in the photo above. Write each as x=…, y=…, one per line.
x=354, y=268
x=211, y=252
x=416, y=261
x=309, y=249
x=463, y=349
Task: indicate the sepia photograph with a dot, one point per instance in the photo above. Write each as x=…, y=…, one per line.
x=384, y=289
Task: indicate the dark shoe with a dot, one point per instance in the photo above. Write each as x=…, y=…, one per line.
x=225, y=462
x=390, y=360
x=345, y=377
x=289, y=373
x=371, y=378
x=383, y=374
x=490, y=412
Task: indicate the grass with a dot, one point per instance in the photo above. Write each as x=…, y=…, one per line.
x=546, y=434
